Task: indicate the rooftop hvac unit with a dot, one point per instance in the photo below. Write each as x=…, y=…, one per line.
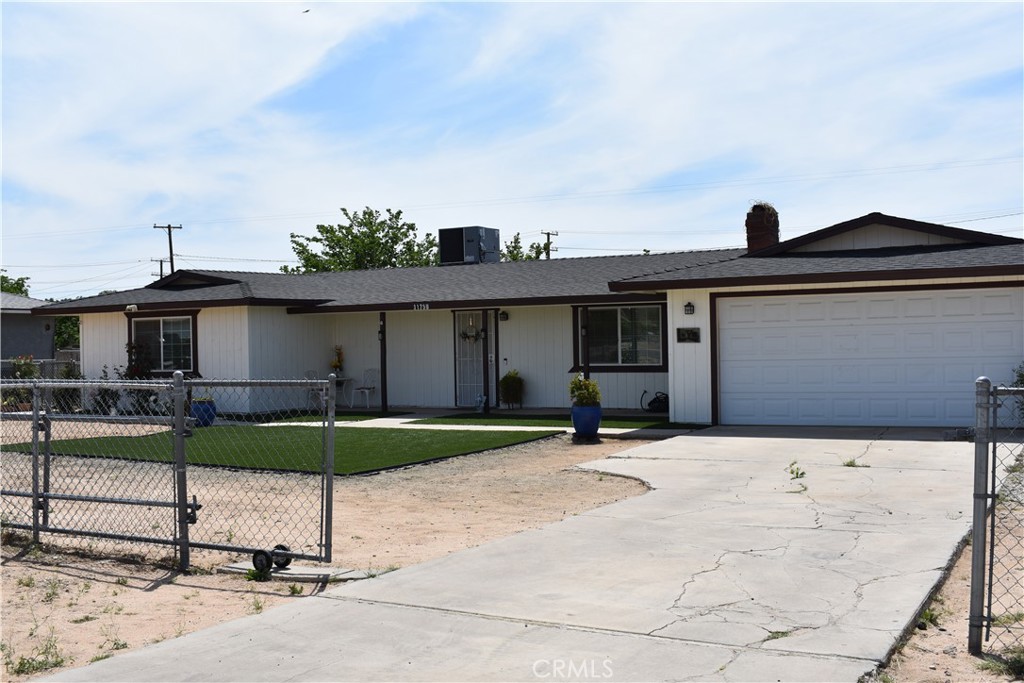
x=473, y=244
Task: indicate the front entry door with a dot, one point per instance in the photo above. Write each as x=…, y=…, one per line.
x=473, y=339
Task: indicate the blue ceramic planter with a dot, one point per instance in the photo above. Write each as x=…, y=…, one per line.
x=204, y=412
x=586, y=420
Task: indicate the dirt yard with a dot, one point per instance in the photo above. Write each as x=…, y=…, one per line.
x=62, y=610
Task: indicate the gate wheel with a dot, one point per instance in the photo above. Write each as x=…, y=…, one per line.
x=281, y=561
x=261, y=560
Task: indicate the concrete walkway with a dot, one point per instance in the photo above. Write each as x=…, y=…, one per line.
x=411, y=421
x=757, y=556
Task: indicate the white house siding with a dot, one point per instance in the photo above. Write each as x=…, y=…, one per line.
x=625, y=389
x=103, y=338
x=876, y=237
x=283, y=346
x=421, y=364
x=690, y=364
x=537, y=341
x=356, y=333
x=223, y=340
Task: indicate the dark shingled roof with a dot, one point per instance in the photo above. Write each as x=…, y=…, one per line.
x=485, y=284
x=896, y=263
x=16, y=303
x=576, y=280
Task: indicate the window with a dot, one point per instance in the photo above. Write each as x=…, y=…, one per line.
x=165, y=344
x=623, y=336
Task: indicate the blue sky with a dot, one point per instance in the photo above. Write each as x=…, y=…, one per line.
x=620, y=126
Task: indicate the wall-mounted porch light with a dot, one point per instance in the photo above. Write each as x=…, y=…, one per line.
x=689, y=308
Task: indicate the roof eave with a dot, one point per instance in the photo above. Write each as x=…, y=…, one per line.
x=814, y=278
x=478, y=303
x=157, y=306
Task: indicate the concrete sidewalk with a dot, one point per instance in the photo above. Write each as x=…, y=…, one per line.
x=757, y=556
x=411, y=421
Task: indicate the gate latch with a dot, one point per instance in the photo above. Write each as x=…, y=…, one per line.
x=193, y=509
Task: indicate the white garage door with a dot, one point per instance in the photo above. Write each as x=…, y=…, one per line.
x=897, y=358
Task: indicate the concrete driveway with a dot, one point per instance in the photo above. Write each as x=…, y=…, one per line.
x=757, y=556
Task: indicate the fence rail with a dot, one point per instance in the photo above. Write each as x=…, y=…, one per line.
x=997, y=538
x=224, y=465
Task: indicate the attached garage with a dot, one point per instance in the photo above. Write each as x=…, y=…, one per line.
x=876, y=321
x=888, y=358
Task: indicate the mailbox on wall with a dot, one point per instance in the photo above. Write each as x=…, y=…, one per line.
x=687, y=335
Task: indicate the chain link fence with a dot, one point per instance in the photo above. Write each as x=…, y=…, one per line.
x=197, y=465
x=997, y=570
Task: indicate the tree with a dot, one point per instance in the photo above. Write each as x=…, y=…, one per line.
x=65, y=334
x=13, y=285
x=514, y=251
x=368, y=241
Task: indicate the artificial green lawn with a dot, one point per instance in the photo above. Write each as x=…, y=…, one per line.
x=356, y=450
x=550, y=421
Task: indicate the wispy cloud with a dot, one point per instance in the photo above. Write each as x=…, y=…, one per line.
x=622, y=126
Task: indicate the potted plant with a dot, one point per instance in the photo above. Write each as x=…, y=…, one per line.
x=24, y=368
x=203, y=410
x=586, y=407
x=338, y=363
x=511, y=388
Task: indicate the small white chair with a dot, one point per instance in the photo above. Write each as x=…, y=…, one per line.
x=368, y=386
x=315, y=400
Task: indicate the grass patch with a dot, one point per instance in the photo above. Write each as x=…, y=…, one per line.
x=498, y=420
x=295, y=449
x=852, y=462
x=1008, y=619
x=775, y=635
x=338, y=417
x=1010, y=663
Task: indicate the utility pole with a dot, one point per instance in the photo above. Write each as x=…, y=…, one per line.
x=170, y=242
x=161, y=261
x=547, y=245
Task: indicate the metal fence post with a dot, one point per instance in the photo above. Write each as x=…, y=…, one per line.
x=982, y=436
x=37, y=500
x=332, y=389
x=180, y=479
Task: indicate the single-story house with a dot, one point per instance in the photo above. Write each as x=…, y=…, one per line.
x=21, y=333
x=879, y=320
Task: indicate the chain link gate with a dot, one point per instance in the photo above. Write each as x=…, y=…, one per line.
x=237, y=466
x=997, y=552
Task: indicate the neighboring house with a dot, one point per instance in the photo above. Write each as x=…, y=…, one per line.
x=877, y=321
x=24, y=334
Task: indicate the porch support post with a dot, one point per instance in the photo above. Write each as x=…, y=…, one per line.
x=485, y=360
x=584, y=331
x=382, y=335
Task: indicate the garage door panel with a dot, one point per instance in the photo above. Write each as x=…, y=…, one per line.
x=883, y=409
x=909, y=358
x=881, y=375
x=882, y=309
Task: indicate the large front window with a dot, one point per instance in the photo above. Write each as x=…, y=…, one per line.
x=624, y=335
x=165, y=344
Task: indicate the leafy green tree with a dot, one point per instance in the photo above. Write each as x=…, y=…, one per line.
x=368, y=241
x=514, y=250
x=13, y=285
x=65, y=332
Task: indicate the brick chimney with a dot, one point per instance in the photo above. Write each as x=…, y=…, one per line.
x=762, y=227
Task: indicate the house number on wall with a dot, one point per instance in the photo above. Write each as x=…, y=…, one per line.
x=421, y=307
